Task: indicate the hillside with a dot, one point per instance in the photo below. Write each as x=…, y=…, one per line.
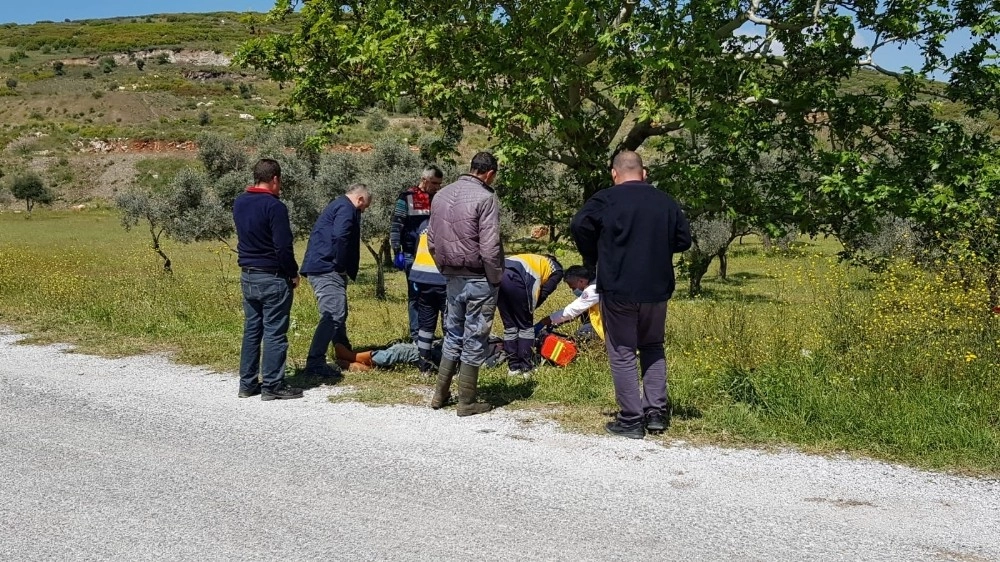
x=90, y=104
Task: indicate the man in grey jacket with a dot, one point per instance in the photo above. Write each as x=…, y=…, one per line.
x=464, y=238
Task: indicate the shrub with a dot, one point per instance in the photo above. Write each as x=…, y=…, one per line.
x=376, y=122
x=59, y=67
x=113, y=86
x=140, y=63
x=88, y=75
x=162, y=58
x=97, y=94
x=405, y=105
x=12, y=83
x=108, y=64
x=247, y=91
x=204, y=118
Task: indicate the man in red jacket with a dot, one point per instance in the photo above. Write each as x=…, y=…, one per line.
x=631, y=232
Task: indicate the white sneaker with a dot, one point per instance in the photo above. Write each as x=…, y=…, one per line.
x=513, y=372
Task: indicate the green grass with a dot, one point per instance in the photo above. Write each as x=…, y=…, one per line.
x=794, y=349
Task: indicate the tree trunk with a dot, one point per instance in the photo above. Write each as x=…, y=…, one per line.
x=697, y=268
x=993, y=285
x=380, y=293
x=765, y=239
x=723, y=263
x=385, y=251
x=156, y=246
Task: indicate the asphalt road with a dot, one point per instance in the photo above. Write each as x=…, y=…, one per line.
x=139, y=458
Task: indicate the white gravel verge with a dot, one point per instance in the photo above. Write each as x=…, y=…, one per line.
x=140, y=458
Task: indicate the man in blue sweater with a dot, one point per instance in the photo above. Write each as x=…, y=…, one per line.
x=269, y=276
x=333, y=256
x=631, y=232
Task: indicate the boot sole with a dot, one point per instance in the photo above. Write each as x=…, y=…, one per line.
x=265, y=397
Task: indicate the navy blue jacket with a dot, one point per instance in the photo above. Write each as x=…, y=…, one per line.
x=335, y=240
x=631, y=232
x=264, y=234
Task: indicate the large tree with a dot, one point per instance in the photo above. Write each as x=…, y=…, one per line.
x=771, y=112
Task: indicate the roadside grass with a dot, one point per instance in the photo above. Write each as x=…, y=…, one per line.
x=794, y=349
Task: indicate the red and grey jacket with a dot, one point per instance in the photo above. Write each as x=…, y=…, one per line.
x=413, y=206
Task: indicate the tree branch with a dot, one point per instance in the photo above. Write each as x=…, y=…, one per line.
x=624, y=14
x=644, y=129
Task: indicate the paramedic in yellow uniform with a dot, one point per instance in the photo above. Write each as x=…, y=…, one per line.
x=527, y=281
x=588, y=300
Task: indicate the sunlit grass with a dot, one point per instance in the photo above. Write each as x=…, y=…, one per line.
x=795, y=348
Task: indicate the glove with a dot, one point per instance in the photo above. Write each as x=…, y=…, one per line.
x=541, y=327
x=400, y=261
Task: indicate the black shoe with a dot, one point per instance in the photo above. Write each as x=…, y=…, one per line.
x=283, y=392
x=248, y=392
x=324, y=371
x=632, y=431
x=657, y=422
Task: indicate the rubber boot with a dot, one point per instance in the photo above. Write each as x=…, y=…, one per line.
x=442, y=391
x=468, y=381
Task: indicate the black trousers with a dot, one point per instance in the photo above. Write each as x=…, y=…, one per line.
x=631, y=329
x=432, y=302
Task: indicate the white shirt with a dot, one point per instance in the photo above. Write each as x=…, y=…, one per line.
x=582, y=304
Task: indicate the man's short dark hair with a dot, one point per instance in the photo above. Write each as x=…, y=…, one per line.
x=577, y=272
x=484, y=162
x=266, y=170
x=432, y=171
x=628, y=162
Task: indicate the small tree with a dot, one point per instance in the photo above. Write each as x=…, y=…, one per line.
x=59, y=67
x=31, y=189
x=12, y=83
x=187, y=211
x=140, y=64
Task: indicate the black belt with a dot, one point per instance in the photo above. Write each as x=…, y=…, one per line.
x=259, y=270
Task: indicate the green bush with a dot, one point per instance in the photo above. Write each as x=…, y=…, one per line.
x=405, y=105
x=12, y=83
x=376, y=122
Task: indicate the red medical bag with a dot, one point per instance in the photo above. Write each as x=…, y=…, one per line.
x=558, y=349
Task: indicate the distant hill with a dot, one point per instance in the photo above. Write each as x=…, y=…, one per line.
x=221, y=31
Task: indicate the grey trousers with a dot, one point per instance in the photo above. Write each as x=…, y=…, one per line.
x=331, y=296
x=472, y=303
x=630, y=328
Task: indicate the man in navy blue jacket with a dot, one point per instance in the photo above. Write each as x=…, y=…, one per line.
x=269, y=276
x=631, y=232
x=333, y=255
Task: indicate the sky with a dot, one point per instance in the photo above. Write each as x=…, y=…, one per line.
x=20, y=11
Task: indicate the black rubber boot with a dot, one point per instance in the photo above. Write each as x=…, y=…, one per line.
x=442, y=391
x=468, y=381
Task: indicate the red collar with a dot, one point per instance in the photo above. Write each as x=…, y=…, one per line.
x=256, y=189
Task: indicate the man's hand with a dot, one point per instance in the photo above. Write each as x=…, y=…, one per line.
x=295, y=282
x=400, y=261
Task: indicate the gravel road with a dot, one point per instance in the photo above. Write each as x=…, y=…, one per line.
x=139, y=458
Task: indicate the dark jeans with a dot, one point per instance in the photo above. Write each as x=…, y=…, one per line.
x=515, y=306
x=628, y=328
x=331, y=296
x=267, y=306
x=412, y=309
x=472, y=302
x=432, y=302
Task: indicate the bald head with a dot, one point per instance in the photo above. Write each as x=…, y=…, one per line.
x=627, y=166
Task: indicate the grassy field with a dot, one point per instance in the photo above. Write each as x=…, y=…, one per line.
x=793, y=349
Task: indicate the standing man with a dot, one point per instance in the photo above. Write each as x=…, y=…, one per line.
x=432, y=301
x=412, y=209
x=464, y=239
x=268, y=278
x=631, y=233
x=333, y=256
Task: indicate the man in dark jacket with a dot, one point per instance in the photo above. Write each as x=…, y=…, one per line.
x=268, y=278
x=333, y=256
x=413, y=206
x=464, y=239
x=631, y=232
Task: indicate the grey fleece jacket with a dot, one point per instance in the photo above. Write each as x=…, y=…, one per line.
x=464, y=231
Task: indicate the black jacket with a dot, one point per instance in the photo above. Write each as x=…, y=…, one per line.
x=335, y=241
x=631, y=232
